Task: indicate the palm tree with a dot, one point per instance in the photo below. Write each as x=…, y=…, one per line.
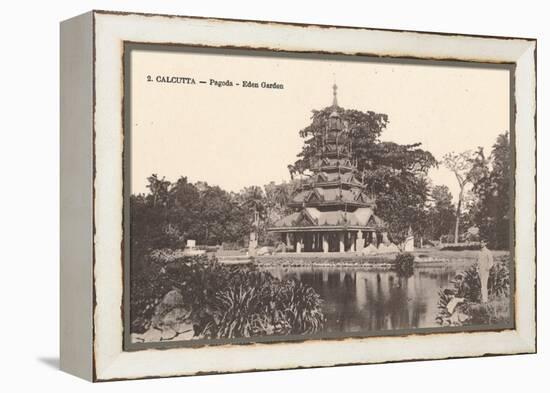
x=282, y=195
x=254, y=199
x=158, y=188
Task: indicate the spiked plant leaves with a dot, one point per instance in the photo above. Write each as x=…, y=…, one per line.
x=227, y=301
x=466, y=285
x=273, y=308
x=499, y=281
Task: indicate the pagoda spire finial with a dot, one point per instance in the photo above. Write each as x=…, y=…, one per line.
x=334, y=94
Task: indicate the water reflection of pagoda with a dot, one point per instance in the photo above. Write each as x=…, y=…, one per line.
x=333, y=213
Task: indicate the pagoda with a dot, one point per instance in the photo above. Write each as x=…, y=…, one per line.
x=332, y=210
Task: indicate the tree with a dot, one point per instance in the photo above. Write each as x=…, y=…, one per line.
x=173, y=212
x=441, y=213
x=282, y=194
x=254, y=198
x=460, y=164
x=184, y=209
x=217, y=210
x=158, y=188
x=491, y=185
x=501, y=178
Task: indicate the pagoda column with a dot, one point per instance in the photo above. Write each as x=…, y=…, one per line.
x=359, y=241
x=288, y=241
x=324, y=236
x=310, y=241
x=352, y=242
x=299, y=243
x=374, y=237
x=342, y=243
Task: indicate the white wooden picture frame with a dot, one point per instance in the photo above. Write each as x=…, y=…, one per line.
x=92, y=194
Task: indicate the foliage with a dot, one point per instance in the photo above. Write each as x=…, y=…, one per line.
x=493, y=312
x=466, y=285
x=276, y=198
x=499, y=279
x=397, y=176
x=173, y=212
x=441, y=213
x=226, y=301
x=461, y=247
x=491, y=178
x=404, y=264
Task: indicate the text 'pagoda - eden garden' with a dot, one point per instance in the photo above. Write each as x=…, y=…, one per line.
x=333, y=210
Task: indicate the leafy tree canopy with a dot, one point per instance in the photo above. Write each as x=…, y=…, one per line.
x=491, y=179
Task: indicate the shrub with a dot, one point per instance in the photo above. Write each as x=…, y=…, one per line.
x=493, y=312
x=499, y=279
x=467, y=285
x=227, y=301
x=404, y=264
x=232, y=245
x=461, y=247
x=208, y=248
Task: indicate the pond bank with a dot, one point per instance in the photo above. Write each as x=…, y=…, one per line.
x=378, y=262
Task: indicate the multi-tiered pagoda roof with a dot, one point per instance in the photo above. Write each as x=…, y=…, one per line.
x=334, y=197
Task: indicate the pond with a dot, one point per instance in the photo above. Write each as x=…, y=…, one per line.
x=360, y=300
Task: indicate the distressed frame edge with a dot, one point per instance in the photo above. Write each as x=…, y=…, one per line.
x=528, y=340
x=305, y=24
x=526, y=130
x=76, y=196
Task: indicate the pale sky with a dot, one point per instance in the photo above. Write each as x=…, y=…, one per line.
x=236, y=137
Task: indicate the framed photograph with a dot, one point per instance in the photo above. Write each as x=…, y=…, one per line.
x=246, y=195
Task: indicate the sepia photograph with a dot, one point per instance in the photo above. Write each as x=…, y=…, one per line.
x=283, y=196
